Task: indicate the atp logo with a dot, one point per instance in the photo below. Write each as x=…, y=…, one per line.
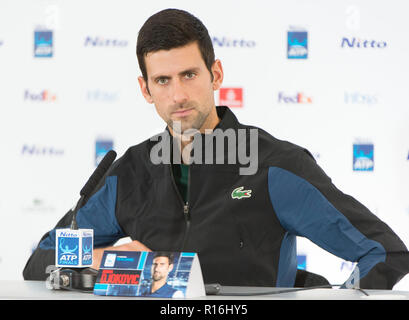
x=302, y=261
x=43, y=43
x=102, y=146
x=363, y=157
x=297, y=44
x=68, y=251
x=87, y=251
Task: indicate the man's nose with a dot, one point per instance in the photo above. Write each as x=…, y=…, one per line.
x=180, y=95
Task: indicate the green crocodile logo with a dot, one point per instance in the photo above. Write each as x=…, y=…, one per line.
x=239, y=193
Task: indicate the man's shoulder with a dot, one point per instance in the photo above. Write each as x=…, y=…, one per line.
x=135, y=159
x=273, y=151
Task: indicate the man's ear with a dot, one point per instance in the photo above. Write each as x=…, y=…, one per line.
x=170, y=267
x=217, y=71
x=145, y=90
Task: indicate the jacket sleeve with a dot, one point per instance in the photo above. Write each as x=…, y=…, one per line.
x=309, y=205
x=98, y=214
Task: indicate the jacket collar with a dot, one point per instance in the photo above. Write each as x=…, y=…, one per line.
x=227, y=118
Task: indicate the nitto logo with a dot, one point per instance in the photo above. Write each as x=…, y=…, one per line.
x=34, y=150
x=68, y=234
x=235, y=43
x=294, y=99
x=362, y=43
x=104, y=42
x=42, y=96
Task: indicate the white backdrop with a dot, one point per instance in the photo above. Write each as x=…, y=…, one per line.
x=58, y=113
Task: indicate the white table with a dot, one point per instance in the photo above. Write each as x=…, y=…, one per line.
x=36, y=290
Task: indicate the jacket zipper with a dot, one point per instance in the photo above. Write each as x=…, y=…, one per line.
x=185, y=205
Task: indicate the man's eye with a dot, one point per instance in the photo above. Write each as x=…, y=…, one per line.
x=190, y=75
x=162, y=81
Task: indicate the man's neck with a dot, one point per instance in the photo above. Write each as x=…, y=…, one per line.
x=185, y=140
x=156, y=285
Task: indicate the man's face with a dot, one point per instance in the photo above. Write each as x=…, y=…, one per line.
x=181, y=87
x=160, y=268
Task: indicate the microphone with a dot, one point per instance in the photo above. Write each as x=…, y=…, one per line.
x=98, y=173
x=92, y=182
x=74, y=247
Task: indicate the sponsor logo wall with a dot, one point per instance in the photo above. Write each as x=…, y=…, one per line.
x=328, y=76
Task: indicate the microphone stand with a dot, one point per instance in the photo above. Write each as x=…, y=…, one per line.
x=81, y=279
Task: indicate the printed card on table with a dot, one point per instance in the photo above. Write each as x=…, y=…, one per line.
x=150, y=274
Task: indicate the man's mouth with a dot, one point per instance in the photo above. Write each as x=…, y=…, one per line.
x=183, y=112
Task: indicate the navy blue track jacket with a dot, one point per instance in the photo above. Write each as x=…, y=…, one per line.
x=243, y=227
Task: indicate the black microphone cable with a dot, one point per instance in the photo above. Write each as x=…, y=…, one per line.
x=215, y=289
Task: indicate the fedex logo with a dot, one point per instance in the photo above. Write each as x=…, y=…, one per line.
x=42, y=96
x=296, y=98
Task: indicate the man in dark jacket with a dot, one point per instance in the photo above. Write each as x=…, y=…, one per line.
x=188, y=189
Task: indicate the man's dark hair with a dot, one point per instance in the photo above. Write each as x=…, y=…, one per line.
x=166, y=254
x=173, y=28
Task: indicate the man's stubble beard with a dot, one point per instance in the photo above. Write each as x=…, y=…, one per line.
x=157, y=277
x=181, y=126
